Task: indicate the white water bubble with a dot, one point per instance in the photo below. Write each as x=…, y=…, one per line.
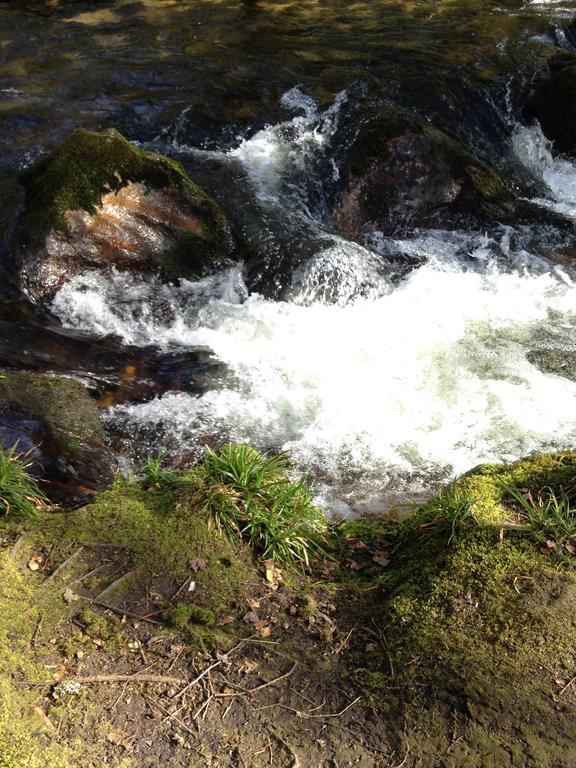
x=558, y=174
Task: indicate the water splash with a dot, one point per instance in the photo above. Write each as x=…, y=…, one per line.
x=386, y=393
x=557, y=174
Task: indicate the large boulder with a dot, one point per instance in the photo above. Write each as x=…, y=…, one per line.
x=98, y=202
x=404, y=173
x=55, y=419
x=553, y=103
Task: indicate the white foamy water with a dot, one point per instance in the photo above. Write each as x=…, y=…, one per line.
x=559, y=175
x=375, y=386
x=392, y=392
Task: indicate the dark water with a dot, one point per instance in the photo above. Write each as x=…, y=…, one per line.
x=184, y=75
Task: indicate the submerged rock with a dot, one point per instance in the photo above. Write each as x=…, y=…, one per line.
x=405, y=174
x=553, y=103
x=56, y=419
x=98, y=202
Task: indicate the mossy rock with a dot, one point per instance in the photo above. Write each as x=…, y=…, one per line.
x=553, y=103
x=486, y=485
x=57, y=420
x=405, y=173
x=97, y=202
x=476, y=626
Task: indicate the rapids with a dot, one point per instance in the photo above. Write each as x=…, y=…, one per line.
x=383, y=368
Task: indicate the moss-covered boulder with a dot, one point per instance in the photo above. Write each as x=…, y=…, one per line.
x=98, y=202
x=553, y=103
x=474, y=624
x=56, y=419
x=404, y=173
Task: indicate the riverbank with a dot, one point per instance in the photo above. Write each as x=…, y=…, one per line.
x=136, y=633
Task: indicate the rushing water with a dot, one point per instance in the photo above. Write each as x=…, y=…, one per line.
x=383, y=368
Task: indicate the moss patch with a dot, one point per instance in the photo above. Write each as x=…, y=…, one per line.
x=63, y=404
x=472, y=629
x=164, y=532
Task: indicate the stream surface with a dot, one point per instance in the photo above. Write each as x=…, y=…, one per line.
x=382, y=368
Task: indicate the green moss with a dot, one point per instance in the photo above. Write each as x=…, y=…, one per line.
x=85, y=166
x=23, y=737
x=486, y=483
x=165, y=532
x=184, y=615
x=472, y=630
x=62, y=403
x=99, y=626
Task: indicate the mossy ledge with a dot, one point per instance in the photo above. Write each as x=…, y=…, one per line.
x=455, y=628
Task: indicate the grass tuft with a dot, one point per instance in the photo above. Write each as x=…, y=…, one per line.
x=250, y=495
x=550, y=515
x=447, y=514
x=155, y=477
x=20, y=495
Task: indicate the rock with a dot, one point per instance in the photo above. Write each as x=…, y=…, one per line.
x=405, y=174
x=553, y=103
x=55, y=419
x=98, y=202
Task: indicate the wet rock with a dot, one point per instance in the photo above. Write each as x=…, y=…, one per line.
x=553, y=103
x=55, y=419
x=405, y=174
x=98, y=202
x=560, y=362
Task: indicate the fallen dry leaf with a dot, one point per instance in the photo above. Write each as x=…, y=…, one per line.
x=265, y=632
x=381, y=558
x=199, y=564
x=70, y=596
x=35, y=562
x=115, y=738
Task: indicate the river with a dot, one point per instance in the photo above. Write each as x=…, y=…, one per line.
x=383, y=368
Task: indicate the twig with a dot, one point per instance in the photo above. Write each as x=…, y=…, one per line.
x=63, y=565
x=36, y=631
x=307, y=715
x=344, y=643
x=120, y=695
x=196, y=680
x=113, y=678
x=567, y=686
x=202, y=708
x=165, y=711
x=175, y=659
x=114, y=584
x=403, y=761
x=87, y=575
x=284, y=743
x=16, y=546
x=119, y=611
x=250, y=691
x=207, y=670
x=180, y=588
